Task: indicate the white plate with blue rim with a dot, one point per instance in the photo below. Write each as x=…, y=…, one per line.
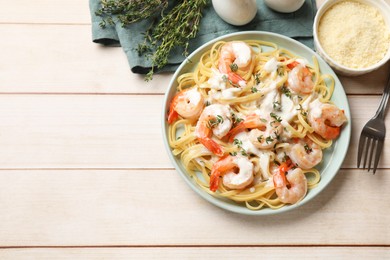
x=333, y=156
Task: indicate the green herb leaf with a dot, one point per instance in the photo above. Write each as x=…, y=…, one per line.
x=269, y=139
x=285, y=91
x=307, y=148
x=257, y=78
x=277, y=106
x=237, y=142
x=234, y=67
x=276, y=117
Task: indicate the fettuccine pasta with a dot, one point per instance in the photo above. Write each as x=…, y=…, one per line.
x=250, y=123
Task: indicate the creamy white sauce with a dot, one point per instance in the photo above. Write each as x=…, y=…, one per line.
x=267, y=103
x=271, y=65
x=242, y=83
x=302, y=61
x=230, y=93
x=264, y=159
x=242, y=52
x=217, y=80
x=246, y=144
x=316, y=108
x=289, y=110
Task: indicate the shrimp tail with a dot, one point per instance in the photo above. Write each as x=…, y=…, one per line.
x=280, y=177
x=211, y=145
x=235, y=78
x=292, y=64
x=235, y=130
x=172, y=113
x=214, y=180
x=221, y=166
x=172, y=116
x=332, y=132
x=286, y=166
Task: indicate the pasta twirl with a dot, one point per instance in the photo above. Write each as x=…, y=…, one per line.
x=250, y=124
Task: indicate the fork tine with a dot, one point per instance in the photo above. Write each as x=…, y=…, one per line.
x=378, y=154
x=362, y=142
x=373, y=150
x=366, y=151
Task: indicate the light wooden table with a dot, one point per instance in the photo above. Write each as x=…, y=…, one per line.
x=84, y=174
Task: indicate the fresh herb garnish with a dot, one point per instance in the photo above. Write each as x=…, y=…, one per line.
x=286, y=91
x=128, y=11
x=269, y=139
x=276, y=117
x=307, y=148
x=236, y=119
x=277, y=106
x=215, y=121
x=234, y=67
x=257, y=78
x=169, y=31
x=303, y=112
x=237, y=142
x=224, y=78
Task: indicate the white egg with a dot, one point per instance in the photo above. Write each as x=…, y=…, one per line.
x=236, y=12
x=284, y=6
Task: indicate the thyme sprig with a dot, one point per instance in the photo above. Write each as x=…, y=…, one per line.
x=128, y=11
x=175, y=29
x=170, y=30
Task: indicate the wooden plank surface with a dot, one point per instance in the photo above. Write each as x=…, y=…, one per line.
x=84, y=173
x=63, y=59
x=157, y=208
x=108, y=131
x=44, y=12
x=199, y=253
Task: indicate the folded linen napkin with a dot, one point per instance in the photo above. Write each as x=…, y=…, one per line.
x=297, y=25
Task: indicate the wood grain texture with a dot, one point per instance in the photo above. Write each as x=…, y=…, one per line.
x=108, y=131
x=199, y=253
x=84, y=173
x=156, y=207
x=63, y=59
x=45, y=12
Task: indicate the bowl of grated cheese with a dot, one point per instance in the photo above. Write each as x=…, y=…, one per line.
x=353, y=36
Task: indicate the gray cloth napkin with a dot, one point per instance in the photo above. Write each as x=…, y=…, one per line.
x=297, y=25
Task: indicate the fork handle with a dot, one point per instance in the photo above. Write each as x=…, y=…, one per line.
x=383, y=104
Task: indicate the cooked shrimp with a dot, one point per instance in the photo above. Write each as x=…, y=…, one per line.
x=234, y=55
x=265, y=130
x=237, y=172
x=305, y=153
x=187, y=103
x=290, y=188
x=326, y=119
x=300, y=78
x=215, y=119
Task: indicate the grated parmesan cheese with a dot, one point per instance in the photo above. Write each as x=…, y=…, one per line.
x=354, y=34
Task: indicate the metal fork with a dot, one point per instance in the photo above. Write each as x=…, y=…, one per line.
x=373, y=134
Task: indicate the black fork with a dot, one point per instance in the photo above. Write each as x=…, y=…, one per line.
x=373, y=134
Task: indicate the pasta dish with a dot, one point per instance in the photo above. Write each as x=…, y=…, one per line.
x=250, y=125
